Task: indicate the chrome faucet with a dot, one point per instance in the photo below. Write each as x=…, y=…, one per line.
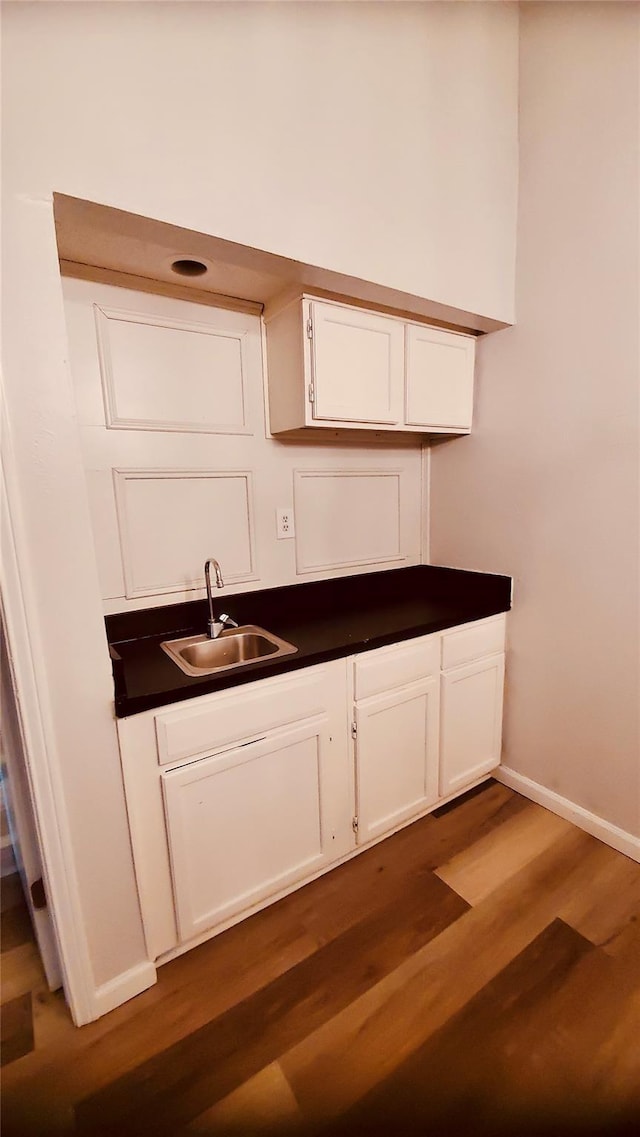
x=214, y=627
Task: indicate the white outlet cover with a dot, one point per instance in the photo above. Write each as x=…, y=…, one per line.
x=285, y=525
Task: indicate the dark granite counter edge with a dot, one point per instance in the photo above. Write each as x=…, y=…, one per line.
x=454, y=597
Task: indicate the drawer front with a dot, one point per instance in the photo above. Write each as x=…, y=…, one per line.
x=233, y=716
x=472, y=642
x=395, y=666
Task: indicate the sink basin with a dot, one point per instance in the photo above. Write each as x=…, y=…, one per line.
x=236, y=647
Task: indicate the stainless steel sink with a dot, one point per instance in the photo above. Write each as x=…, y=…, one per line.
x=199, y=655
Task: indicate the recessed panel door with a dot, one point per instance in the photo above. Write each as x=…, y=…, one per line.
x=470, y=722
x=244, y=824
x=396, y=757
x=439, y=390
x=357, y=365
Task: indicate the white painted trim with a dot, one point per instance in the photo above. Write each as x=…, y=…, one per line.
x=598, y=827
x=41, y=757
x=425, y=504
x=265, y=379
x=16, y=799
x=126, y=986
x=139, y=474
x=113, y=420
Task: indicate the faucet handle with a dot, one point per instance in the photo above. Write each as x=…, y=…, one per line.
x=227, y=621
x=215, y=627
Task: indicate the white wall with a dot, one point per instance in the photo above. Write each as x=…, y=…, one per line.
x=215, y=483
x=379, y=140
x=546, y=488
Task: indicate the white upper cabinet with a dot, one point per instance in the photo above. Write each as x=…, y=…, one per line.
x=331, y=365
x=356, y=365
x=439, y=378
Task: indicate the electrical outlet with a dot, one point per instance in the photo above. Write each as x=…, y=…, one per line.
x=284, y=524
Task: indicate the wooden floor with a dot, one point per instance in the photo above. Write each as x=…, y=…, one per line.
x=477, y=973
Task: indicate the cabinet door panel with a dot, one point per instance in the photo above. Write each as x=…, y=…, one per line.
x=357, y=363
x=248, y=822
x=471, y=722
x=396, y=757
x=439, y=378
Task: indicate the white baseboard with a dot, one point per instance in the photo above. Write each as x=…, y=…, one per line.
x=126, y=986
x=617, y=838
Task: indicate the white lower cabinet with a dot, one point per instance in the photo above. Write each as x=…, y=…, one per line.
x=395, y=728
x=237, y=797
x=471, y=722
x=471, y=702
x=248, y=822
x=396, y=757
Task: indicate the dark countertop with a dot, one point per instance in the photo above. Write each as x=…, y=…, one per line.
x=325, y=619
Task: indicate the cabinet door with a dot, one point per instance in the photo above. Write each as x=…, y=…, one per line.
x=357, y=365
x=439, y=378
x=244, y=824
x=396, y=757
x=470, y=722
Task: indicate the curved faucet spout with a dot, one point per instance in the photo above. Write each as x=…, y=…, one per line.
x=217, y=570
x=214, y=626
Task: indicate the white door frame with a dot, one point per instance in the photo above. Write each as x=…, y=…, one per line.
x=40, y=759
x=20, y=812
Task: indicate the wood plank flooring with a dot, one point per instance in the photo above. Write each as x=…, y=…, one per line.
x=478, y=972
